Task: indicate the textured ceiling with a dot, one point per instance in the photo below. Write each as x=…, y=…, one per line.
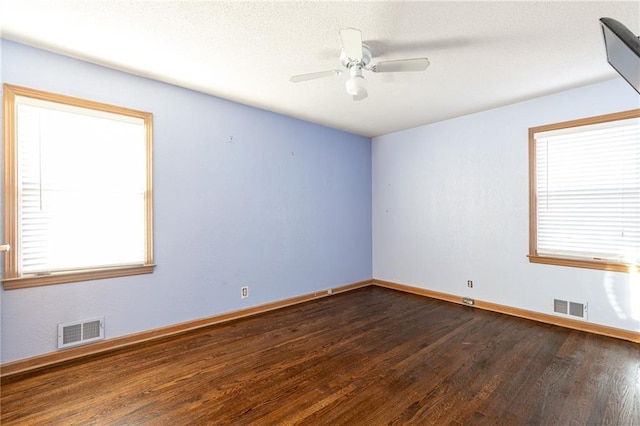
x=482, y=54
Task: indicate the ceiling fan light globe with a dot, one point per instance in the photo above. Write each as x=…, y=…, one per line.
x=356, y=86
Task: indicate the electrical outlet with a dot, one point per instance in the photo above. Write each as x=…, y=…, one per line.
x=244, y=292
x=470, y=284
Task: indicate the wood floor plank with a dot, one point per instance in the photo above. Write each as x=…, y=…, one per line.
x=371, y=356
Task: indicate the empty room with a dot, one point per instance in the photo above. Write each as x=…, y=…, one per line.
x=320, y=213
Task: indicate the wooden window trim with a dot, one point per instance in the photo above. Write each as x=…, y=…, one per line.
x=11, y=277
x=533, y=226
x=574, y=263
x=69, y=277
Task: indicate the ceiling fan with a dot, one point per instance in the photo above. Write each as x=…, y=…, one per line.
x=355, y=56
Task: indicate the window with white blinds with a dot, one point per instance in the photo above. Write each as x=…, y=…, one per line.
x=585, y=192
x=80, y=204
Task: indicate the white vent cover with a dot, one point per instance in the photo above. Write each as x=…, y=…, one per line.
x=80, y=332
x=576, y=309
x=560, y=306
x=570, y=308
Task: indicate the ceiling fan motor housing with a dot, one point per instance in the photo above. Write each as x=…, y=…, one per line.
x=356, y=84
x=348, y=62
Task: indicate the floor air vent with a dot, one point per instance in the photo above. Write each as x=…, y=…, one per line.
x=79, y=333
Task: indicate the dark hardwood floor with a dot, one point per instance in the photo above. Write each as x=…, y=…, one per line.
x=367, y=357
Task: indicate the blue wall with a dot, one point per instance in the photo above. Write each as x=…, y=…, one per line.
x=242, y=196
x=451, y=204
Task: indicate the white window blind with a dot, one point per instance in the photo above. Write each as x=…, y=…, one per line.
x=588, y=192
x=81, y=188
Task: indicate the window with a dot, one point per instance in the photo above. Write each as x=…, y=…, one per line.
x=585, y=192
x=77, y=198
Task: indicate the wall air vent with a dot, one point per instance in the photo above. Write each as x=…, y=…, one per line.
x=570, y=308
x=80, y=332
x=560, y=306
x=576, y=309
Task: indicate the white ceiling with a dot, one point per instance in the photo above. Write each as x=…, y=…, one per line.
x=482, y=54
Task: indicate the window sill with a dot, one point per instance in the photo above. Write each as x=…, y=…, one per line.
x=603, y=266
x=68, y=277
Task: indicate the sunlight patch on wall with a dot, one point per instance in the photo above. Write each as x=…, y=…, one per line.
x=616, y=298
x=610, y=289
x=634, y=293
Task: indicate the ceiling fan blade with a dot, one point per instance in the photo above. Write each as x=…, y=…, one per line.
x=402, y=65
x=361, y=96
x=314, y=75
x=352, y=43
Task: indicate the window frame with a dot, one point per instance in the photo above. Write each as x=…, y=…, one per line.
x=533, y=227
x=11, y=278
